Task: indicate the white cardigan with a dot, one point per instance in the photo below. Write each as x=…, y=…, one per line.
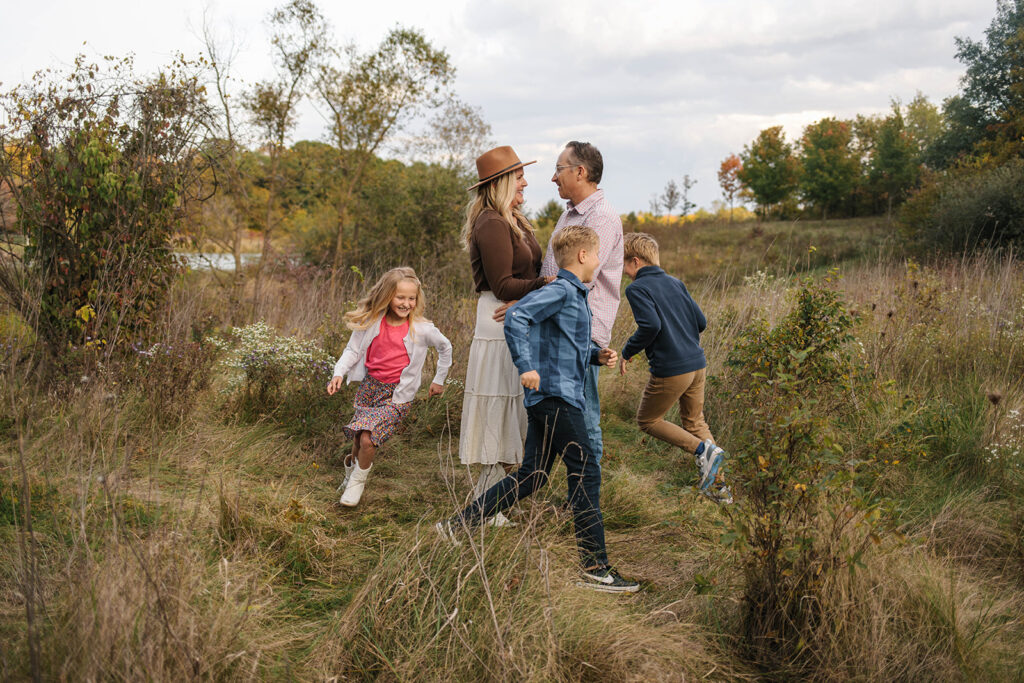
x=421, y=335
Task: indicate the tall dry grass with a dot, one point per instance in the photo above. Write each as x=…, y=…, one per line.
x=209, y=547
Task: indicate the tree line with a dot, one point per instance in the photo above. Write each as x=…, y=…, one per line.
x=952, y=172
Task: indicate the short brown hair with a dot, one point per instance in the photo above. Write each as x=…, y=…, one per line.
x=587, y=156
x=568, y=241
x=642, y=246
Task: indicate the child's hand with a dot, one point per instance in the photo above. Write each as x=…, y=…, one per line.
x=622, y=365
x=334, y=385
x=435, y=390
x=607, y=357
x=530, y=380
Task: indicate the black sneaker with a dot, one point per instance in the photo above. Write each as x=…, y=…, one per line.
x=606, y=580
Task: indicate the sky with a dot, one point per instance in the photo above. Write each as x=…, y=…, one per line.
x=663, y=88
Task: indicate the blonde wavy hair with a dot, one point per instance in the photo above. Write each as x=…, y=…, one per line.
x=496, y=195
x=376, y=302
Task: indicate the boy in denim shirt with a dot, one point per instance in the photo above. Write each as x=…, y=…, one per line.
x=669, y=323
x=548, y=334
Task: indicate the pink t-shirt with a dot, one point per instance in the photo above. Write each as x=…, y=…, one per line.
x=387, y=357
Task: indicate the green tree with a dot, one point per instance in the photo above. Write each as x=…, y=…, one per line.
x=829, y=168
x=987, y=116
x=770, y=169
x=299, y=36
x=548, y=215
x=372, y=97
x=893, y=164
x=924, y=124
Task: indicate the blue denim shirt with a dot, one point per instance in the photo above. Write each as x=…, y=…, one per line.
x=548, y=330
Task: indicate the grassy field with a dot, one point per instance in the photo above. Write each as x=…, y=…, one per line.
x=157, y=523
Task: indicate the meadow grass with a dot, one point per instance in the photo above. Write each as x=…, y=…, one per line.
x=211, y=545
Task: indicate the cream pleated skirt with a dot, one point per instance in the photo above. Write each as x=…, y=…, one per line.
x=493, y=416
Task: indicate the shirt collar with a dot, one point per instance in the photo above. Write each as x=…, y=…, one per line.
x=587, y=203
x=572, y=279
x=649, y=270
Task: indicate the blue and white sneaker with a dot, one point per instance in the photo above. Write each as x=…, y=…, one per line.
x=708, y=462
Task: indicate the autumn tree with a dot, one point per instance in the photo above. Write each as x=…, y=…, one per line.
x=372, y=97
x=828, y=166
x=729, y=181
x=770, y=170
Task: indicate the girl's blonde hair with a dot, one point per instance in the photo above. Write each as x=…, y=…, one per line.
x=496, y=195
x=376, y=302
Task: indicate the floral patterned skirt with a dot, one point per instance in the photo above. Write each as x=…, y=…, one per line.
x=375, y=412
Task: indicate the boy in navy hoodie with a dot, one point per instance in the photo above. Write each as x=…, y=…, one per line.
x=669, y=323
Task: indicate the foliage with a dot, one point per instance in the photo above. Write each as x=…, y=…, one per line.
x=770, y=170
x=268, y=371
x=728, y=179
x=894, y=168
x=101, y=166
x=987, y=117
x=370, y=98
x=799, y=517
x=967, y=209
x=547, y=216
x=827, y=164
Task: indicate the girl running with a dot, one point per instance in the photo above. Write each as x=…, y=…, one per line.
x=385, y=353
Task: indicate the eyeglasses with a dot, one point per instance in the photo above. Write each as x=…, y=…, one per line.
x=559, y=169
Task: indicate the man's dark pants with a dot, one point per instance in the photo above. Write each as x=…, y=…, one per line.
x=554, y=428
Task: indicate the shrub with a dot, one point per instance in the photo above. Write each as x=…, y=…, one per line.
x=797, y=504
x=101, y=166
x=969, y=209
x=275, y=375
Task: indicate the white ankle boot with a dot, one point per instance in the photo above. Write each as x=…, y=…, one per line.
x=350, y=464
x=354, y=490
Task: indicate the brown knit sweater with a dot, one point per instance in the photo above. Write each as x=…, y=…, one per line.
x=501, y=263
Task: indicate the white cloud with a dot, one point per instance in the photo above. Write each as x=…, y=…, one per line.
x=662, y=87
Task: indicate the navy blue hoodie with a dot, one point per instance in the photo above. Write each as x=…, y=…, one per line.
x=669, y=323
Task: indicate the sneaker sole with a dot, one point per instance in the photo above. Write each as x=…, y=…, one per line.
x=602, y=588
x=709, y=478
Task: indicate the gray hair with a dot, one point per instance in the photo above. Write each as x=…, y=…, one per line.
x=587, y=156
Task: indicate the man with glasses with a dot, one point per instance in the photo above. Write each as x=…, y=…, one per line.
x=577, y=174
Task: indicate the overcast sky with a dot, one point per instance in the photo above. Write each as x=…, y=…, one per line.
x=663, y=88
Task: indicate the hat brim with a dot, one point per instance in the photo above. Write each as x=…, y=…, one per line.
x=513, y=167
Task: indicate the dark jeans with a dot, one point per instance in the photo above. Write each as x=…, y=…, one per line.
x=555, y=428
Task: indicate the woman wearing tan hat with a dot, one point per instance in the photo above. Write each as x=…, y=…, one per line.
x=506, y=259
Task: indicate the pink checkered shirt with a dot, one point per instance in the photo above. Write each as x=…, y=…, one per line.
x=594, y=212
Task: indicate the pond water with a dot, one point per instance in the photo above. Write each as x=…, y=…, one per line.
x=215, y=261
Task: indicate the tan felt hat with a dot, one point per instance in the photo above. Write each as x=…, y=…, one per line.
x=496, y=162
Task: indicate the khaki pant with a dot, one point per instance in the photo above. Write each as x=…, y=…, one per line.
x=659, y=395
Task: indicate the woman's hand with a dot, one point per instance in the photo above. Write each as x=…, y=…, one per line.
x=622, y=365
x=435, y=390
x=499, y=312
x=530, y=380
x=334, y=385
